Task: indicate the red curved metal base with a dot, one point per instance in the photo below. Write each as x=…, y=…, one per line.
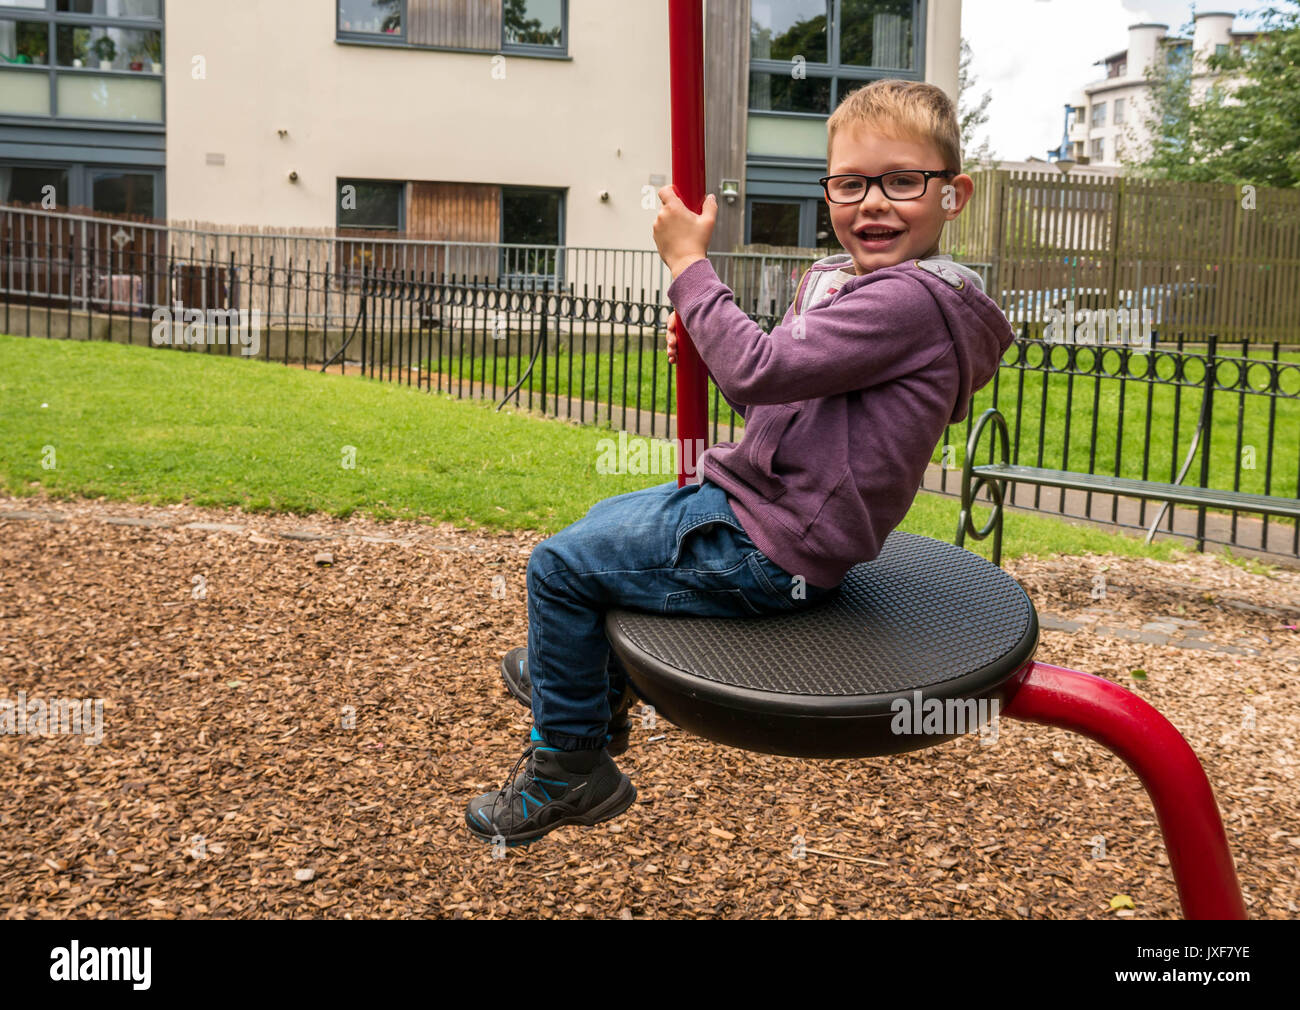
x=1149, y=744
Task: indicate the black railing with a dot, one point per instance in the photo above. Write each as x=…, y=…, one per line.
x=594, y=353
x=1187, y=403
x=591, y=356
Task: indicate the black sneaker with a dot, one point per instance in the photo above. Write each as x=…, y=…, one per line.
x=555, y=788
x=514, y=671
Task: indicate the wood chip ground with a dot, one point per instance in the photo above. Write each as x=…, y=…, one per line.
x=288, y=734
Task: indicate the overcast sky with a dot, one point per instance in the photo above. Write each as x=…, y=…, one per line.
x=1032, y=54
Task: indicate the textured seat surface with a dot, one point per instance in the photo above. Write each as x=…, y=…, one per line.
x=923, y=616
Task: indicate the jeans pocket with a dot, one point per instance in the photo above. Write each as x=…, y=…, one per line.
x=794, y=591
x=711, y=603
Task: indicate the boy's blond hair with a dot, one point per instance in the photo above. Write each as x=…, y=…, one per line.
x=909, y=110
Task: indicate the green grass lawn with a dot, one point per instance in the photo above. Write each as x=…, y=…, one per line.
x=157, y=426
x=1122, y=428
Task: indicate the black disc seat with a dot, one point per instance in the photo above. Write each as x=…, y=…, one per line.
x=924, y=616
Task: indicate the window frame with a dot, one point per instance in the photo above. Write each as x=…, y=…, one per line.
x=402, y=40
x=508, y=278
x=81, y=183
x=374, y=38
x=403, y=184
x=89, y=172
x=807, y=219
x=53, y=20
x=533, y=49
x=852, y=75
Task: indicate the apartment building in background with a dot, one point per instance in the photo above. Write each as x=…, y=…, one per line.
x=1106, y=120
x=82, y=112
x=529, y=121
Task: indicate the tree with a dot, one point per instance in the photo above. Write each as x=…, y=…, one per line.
x=971, y=116
x=1245, y=128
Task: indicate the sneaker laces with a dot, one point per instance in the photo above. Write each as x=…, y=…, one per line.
x=510, y=792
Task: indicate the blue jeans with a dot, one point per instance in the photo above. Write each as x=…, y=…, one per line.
x=665, y=550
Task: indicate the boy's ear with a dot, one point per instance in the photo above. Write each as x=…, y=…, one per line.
x=956, y=194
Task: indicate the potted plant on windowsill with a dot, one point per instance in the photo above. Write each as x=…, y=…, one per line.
x=106, y=49
x=137, y=57
x=31, y=48
x=153, y=49
x=80, y=45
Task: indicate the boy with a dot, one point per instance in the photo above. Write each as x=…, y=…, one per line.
x=843, y=403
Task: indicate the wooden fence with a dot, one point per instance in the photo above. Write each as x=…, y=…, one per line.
x=1201, y=258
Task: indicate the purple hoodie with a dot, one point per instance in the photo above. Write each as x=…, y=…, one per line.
x=846, y=400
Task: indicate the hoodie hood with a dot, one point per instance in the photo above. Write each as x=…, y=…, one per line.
x=978, y=329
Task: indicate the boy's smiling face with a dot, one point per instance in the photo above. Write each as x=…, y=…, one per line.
x=878, y=232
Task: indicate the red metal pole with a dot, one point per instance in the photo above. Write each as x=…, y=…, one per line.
x=1163, y=760
x=686, y=78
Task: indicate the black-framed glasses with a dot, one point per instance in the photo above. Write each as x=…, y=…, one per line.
x=903, y=185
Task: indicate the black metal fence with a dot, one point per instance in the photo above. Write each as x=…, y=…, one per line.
x=592, y=352
x=95, y=266
x=1170, y=414
x=588, y=356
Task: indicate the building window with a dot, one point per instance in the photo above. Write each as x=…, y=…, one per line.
x=1099, y=149
x=1099, y=114
x=774, y=223
x=94, y=60
x=370, y=204
x=110, y=8
x=789, y=29
x=876, y=33
x=524, y=27
x=33, y=184
x=805, y=55
x=383, y=19
x=122, y=192
x=781, y=93
x=1119, y=111
x=532, y=218
x=533, y=24
x=1221, y=49
x=25, y=43
x=116, y=190
x=805, y=224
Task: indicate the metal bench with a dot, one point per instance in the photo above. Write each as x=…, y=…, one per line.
x=998, y=475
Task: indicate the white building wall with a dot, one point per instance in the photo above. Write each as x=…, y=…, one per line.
x=597, y=121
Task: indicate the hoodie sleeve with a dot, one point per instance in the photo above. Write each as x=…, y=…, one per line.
x=887, y=327
x=739, y=408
